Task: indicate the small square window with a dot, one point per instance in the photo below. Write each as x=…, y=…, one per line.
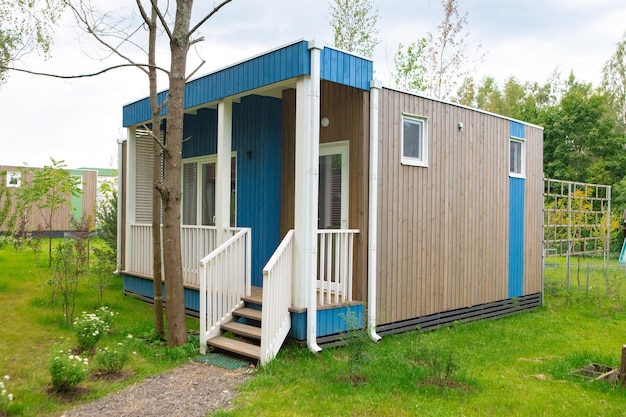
x=414, y=140
x=516, y=158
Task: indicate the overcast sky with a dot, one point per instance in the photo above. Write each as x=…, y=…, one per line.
x=79, y=121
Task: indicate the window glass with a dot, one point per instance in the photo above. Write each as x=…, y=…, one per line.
x=516, y=148
x=414, y=141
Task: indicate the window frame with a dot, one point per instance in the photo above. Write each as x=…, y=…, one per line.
x=522, y=142
x=199, y=192
x=411, y=160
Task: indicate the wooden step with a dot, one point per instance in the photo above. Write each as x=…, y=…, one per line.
x=255, y=297
x=248, y=313
x=242, y=329
x=236, y=346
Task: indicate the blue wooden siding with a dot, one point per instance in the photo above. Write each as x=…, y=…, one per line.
x=329, y=321
x=257, y=140
x=288, y=62
x=200, y=133
x=517, y=130
x=145, y=288
x=516, y=225
x=343, y=68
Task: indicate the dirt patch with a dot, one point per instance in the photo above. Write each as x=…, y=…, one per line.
x=191, y=390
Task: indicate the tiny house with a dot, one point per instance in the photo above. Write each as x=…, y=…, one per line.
x=314, y=199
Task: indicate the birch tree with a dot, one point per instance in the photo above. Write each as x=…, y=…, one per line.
x=444, y=62
x=26, y=26
x=354, y=26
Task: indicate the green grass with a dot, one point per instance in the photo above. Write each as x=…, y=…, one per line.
x=31, y=331
x=516, y=366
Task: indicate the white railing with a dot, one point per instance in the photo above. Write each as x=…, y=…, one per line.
x=276, y=320
x=139, y=259
x=224, y=280
x=196, y=242
x=335, y=250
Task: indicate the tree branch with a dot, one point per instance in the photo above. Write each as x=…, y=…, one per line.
x=67, y=77
x=207, y=17
x=161, y=18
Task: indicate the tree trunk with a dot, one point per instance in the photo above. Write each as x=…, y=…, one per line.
x=156, y=178
x=172, y=263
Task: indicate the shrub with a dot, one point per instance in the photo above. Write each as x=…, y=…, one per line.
x=112, y=361
x=89, y=329
x=67, y=371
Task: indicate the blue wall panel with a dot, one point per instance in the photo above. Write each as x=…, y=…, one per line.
x=329, y=321
x=343, y=68
x=145, y=288
x=257, y=140
x=200, y=133
x=516, y=237
x=517, y=130
x=282, y=64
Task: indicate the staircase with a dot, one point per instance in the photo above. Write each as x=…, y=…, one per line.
x=242, y=335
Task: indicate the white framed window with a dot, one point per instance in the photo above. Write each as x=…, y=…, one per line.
x=414, y=140
x=198, y=177
x=517, y=157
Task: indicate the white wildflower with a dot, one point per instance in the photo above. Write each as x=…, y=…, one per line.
x=6, y=377
x=10, y=397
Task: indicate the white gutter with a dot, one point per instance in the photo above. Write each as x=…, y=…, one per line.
x=120, y=155
x=372, y=231
x=313, y=178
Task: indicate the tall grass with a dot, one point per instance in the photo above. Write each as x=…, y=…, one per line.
x=31, y=330
x=516, y=366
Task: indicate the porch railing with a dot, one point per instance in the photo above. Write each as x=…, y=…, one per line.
x=224, y=280
x=335, y=250
x=276, y=320
x=196, y=242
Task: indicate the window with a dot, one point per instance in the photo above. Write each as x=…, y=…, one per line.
x=414, y=140
x=516, y=157
x=199, y=176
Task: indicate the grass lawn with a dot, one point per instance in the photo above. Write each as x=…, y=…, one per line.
x=31, y=332
x=516, y=366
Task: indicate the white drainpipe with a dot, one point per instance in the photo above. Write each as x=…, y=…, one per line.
x=313, y=177
x=375, y=87
x=120, y=170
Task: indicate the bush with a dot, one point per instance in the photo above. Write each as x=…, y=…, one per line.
x=90, y=327
x=112, y=361
x=67, y=371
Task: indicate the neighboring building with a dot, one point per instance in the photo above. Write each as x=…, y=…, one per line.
x=86, y=203
x=424, y=211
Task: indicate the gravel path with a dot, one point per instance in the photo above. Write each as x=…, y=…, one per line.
x=191, y=390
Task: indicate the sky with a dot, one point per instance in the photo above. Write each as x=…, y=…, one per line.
x=80, y=121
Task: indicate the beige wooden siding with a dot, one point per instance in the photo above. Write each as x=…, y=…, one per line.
x=533, y=211
x=288, y=155
x=143, y=180
x=347, y=109
x=443, y=229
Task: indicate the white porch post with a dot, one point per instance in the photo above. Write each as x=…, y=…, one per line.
x=131, y=192
x=375, y=87
x=222, y=175
x=121, y=170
